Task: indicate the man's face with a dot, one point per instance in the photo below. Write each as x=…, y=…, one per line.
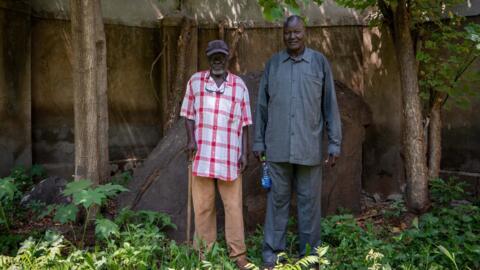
x=294, y=36
x=218, y=63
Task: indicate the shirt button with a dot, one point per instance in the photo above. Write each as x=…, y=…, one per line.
x=293, y=133
x=293, y=115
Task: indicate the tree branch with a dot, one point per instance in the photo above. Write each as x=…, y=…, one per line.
x=461, y=71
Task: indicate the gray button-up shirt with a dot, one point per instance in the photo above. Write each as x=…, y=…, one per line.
x=296, y=97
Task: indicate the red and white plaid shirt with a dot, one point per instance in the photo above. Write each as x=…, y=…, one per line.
x=219, y=113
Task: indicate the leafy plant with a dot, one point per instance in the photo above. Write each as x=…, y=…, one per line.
x=443, y=192
x=274, y=10
x=7, y=194
x=127, y=216
x=450, y=256
x=9, y=243
x=284, y=262
x=453, y=79
x=105, y=228
x=86, y=197
x=122, y=179
x=25, y=178
x=45, y=254
x=396, y=209
x=375, y=258
x=11, y=190
x=136, y=248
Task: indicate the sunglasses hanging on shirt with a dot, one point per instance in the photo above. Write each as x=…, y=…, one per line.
x=212, y=87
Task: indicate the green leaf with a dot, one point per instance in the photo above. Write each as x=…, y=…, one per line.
x=321, y=251
x=110, y=189
x=105, y=228
x=293, y=7
x=66, y=213
x=7, y=188
x=415, y=223
x=88, y=197
x=53, y=238
x=463, y=103
x=447, y=253
x=273, y=13
x=356, y=4
x=37, y=170
x=47, y=211
x=77, y=186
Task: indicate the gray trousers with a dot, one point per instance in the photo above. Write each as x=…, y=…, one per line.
x=307, y=183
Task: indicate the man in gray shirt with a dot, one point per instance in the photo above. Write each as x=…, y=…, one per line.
x=296, y=100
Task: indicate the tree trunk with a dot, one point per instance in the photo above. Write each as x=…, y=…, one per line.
x=184, y=50
x=435, y=135
x=90, y=91
x=434, y=143
x=414, y=149
x=101, y=46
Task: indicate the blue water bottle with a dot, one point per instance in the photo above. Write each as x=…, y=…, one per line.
x=266, y=180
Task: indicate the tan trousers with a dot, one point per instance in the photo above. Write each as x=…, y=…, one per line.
x=203, y=197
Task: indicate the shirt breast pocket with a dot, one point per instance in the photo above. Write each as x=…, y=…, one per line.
x=312, y=85
x=313, y=78
x=229, y=110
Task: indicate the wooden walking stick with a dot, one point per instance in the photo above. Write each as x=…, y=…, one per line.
x=189, y=200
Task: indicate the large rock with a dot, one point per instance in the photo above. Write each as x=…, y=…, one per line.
x=166, y=170
x=342, y=184
x=48, y=191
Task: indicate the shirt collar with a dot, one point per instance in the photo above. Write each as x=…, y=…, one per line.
x=228, y=80
x=306, y=56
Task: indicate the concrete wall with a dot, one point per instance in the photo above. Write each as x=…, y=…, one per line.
x=249, y=12
x=15, y=127
x=149, y=12
x=133, y=41
x=383, y=166
x=361, y=57
x=144, y=13
x=133, y=99
x=461, y=139
x=461, y=131
x=383, y=171
x=342, y=45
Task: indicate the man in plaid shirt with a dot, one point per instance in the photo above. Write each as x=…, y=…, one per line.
x=217, y=111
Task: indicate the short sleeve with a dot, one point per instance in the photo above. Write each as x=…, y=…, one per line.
x=188, y=109
x=246, y=111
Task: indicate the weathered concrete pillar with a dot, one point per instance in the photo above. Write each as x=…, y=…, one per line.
x=15, y=90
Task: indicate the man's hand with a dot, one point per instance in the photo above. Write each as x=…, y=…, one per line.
x=331, y=160
x=191, y=144
x=243, y=162
x=191, y=149
x=259, y=155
